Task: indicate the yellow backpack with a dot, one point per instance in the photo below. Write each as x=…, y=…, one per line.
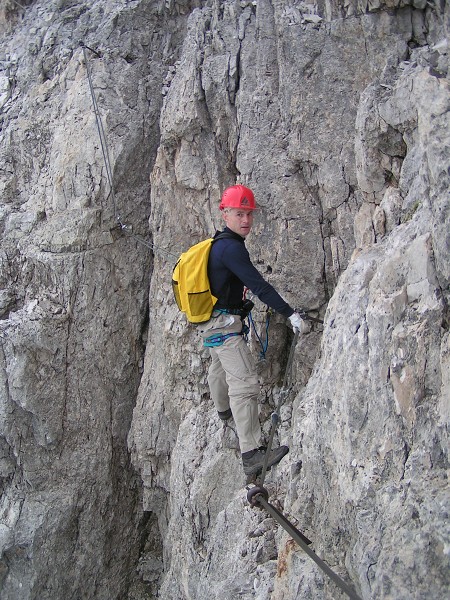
x=190, y=281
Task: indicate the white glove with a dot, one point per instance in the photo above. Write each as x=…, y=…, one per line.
x=298, y=324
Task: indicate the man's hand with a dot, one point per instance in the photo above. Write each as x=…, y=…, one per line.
x=298, y=324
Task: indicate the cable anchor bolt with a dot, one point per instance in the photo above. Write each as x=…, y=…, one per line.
x=254, y=492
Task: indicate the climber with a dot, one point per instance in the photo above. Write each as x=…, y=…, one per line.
x=232, y=376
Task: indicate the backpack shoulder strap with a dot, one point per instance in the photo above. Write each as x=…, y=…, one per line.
x=220, y=235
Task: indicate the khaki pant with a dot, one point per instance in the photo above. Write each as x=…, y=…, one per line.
x=232, y=378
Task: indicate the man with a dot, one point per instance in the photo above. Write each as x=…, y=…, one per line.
x=232, y=375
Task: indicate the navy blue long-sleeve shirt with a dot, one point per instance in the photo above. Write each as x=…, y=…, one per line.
x=230, y=269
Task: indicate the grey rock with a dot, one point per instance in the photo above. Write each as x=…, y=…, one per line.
x=117, y=479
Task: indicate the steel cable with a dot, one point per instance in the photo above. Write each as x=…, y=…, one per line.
x=126, y=229
x=259, y=495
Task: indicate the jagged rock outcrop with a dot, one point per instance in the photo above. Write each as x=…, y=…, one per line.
x=117, y=479
x=74, y=299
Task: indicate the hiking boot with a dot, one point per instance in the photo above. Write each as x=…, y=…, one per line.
x=224, y=415
x=254, y=463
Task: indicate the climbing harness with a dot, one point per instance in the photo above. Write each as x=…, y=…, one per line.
x=217, y=339
x=259, y=495
x=213, y=341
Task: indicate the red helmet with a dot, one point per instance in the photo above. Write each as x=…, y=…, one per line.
x=238, y=196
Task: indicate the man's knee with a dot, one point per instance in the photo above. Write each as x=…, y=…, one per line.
x=248, y=390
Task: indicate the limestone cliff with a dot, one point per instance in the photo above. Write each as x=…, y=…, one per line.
x=121, y=122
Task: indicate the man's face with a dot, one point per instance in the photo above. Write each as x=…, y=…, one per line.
x=238, y=220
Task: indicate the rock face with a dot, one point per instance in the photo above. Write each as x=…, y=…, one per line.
x=121, y=123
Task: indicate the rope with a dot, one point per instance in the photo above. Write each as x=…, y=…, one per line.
x=259, y=495
x=264, y=345
x=275, y=415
